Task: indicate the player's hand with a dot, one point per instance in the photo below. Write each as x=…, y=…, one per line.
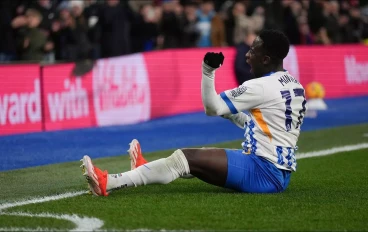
x=214, y=60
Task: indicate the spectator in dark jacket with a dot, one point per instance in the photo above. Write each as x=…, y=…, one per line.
x=144, y=29
x=74, y=40
x=33, y=40
x=190, y=30
x=91, y=13
x=170, y=26
x=115, y=24
x=242, y=68
x=7, y=38
x=47, y=10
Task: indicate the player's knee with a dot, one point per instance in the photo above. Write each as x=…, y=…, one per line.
x=190, y=154
x=178, y=162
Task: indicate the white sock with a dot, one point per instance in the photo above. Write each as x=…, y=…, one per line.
x=162, y=171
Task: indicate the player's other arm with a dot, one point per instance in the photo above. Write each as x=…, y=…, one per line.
x=238, y=119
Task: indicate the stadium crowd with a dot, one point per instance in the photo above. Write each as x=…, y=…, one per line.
x=71, y=30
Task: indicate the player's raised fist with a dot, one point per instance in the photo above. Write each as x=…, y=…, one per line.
x=214, y=60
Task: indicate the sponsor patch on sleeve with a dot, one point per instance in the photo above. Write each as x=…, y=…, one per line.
x=238, y=91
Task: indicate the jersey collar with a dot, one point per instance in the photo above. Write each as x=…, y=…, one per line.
x=270, y=73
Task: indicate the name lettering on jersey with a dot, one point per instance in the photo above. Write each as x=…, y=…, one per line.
x=286, y=79
x=238, y=91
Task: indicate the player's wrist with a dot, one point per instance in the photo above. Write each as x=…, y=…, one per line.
x=207, y=70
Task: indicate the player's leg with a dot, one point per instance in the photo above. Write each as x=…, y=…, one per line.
x=202, y=162
x=160, y=171
x=208, y=164
x=137, y=159
x=225, y=168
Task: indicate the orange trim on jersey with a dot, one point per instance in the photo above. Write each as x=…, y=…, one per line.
x=259, y=118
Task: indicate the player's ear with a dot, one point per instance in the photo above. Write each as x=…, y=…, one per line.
x=266, y=60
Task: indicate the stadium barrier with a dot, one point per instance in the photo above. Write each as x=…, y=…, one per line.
x=20, y=99
x=139, y=87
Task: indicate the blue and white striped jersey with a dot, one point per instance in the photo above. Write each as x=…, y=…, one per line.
x=276, y=106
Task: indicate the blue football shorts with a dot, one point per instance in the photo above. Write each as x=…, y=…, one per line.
x=254, y=174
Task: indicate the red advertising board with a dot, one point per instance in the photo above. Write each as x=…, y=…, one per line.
x=342, y=70
x=175, y=79
x=67, y=99
x=121, y=90
x=20, y=99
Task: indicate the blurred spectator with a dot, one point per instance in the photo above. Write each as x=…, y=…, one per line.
x=258, y=19
x=145, y=29
x=72, y=35
x=321, y=37
x=170, y=26
x=241, y=67
x=316, y=19
x=136, y=6
x=77, y=9
x=346, y=30
x=239, y=24
x=275, y=11
x=356, y=23
x=114, y=23
x=8, y=50
x=306, y=37
x=292, y=10
x=365, y=24
x=242, y=22
x=218, y=38
x=332, y=21
x=33, y=43
x=205, y=15
x=190, y=31
x=91, y=14
x=47, y=10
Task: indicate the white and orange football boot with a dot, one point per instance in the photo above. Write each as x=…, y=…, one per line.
x=135, y=155
x=96, y=179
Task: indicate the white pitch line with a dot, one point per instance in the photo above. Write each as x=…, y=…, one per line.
x=41, y=200
x=26, y=229
x=91, y=224
x=331, y=151
x=81, y=223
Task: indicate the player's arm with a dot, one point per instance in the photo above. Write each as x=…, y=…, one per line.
x=212, y=102
x=247, y=96
x=238, y=119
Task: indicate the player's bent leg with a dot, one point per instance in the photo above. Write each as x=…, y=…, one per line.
x=162, y=171
x=137, y=159
x=208, y=164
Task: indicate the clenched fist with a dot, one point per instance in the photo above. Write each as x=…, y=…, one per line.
x=214, y=60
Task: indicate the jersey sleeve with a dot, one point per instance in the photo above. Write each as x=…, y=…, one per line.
x=247, y=96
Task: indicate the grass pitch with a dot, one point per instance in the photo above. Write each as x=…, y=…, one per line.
x=326, y=193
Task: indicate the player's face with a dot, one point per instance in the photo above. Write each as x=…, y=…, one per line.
x=255, y=57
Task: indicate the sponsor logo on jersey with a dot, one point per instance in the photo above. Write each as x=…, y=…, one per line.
x=238, y=91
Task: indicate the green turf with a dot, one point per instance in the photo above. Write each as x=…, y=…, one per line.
x=326, y=193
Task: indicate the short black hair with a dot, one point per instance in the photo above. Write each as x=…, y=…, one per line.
x=275, y=44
